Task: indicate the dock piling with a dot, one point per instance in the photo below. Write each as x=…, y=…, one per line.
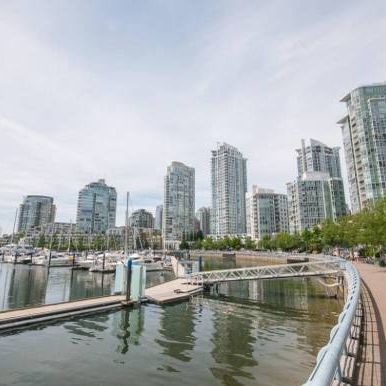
x=128, y=280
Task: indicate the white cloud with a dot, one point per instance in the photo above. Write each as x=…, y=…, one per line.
x=120, y=92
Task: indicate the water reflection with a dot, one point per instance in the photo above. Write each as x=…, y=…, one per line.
x=297, y=304
x=25, y=285
x=85, y=284
x=81, y=328
x=19, y=287
x=282, y=293
x=128, y=327
x=263, y=333
x=233, y=345
x=177, y=323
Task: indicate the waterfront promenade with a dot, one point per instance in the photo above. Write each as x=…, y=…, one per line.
x=372, y=358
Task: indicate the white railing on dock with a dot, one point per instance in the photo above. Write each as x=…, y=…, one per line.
x=335, y=361
x=324, y=266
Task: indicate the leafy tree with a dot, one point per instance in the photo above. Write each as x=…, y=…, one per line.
x=54, y=242
x=184, y=244
x=265, y=243
x=41, y=241
x=80, y=246
x=249, y=244
x=98, y=243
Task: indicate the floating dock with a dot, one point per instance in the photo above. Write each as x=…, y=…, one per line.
x=22, y=317
x=172, y=291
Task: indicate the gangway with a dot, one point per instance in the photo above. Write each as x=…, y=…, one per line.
x=318, y=267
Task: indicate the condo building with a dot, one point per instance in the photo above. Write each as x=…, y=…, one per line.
x=267, y=213
x=309, y=201
x=364, y=139
x=318, y=157
x=97, y=205
x=203, y=217
x=318, y=191
x=36, y=211
x=179, y=204
x=229, y=186
x=141, y=218
x=158, y=218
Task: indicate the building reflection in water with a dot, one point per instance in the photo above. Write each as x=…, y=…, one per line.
x=58, y=285
x=25, y=285
x=128, y=326
x=176, y=331
x=302, y=303
x=87, y=327
x=284, y=293
x=20, y=286
x=233, y=343
x=85, y=284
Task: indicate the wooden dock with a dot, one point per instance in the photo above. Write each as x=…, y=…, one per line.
x=22, y=317
x=172, y=291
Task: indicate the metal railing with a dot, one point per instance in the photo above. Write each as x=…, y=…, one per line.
x=329, y=364
x=327, y=266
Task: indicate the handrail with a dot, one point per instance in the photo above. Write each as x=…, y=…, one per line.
x=317, y=266
x=328, y=365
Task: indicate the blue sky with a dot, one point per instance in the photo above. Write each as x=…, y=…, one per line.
x=119, y=89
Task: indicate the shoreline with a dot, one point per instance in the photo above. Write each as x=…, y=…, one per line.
x=275, y=258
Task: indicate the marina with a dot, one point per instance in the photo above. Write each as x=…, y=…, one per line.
x=230, y=337
x=193, y=286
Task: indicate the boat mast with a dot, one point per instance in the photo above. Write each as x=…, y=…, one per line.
x=50, y=254
x=52, y=236
x=60, y=241
x=69, y=237
x=126, y=222
x=14, y=226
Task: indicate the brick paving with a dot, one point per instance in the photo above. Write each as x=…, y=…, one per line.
x=371, y=367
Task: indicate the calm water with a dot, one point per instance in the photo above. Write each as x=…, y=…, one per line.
x=248, y=333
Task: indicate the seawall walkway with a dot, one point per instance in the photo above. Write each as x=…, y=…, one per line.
x=372, y=357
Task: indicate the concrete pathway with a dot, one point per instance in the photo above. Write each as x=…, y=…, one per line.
x=371, y=369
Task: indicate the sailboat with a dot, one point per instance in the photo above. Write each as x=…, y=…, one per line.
x=10, y=251
x=53, y=258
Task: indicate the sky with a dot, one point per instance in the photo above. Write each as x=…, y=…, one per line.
x=119, y=89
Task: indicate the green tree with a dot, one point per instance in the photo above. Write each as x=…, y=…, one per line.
x=41, y=241
x=249, y=244
x=184, y=245
x=265, y=243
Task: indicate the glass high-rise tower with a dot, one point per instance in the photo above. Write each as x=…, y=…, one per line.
x=318, y=192
x=179, y=204
x=36, y=211
x=158, y=218
x=364, y=138
x=97, y=206
x=229, y=186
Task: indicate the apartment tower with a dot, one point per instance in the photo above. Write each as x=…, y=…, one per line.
x=229, y=186
x=179, y=204
x=364, y=139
